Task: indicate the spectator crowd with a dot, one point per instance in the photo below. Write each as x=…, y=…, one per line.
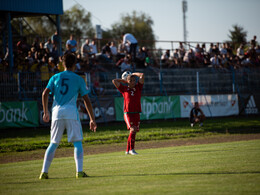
x=218, y=56
x=43, y=59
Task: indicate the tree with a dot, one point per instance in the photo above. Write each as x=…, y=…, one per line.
x=237, y=35
x=74, y=21
x=41, y=25
x=77, y=22
x=139, y=24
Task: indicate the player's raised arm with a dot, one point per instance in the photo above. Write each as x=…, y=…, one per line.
x=117, y=82
x=140, y=75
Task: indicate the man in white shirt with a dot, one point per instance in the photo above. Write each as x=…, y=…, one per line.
x=240, y=51
x=113, y=51
x=48, y=45
x=131, y=40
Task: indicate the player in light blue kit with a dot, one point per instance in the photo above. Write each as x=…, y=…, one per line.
x=66, y=86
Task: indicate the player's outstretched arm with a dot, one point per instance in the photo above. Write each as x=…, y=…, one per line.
x=140, y=75
x=117, y=82
x=45, y=96
x=88, y=105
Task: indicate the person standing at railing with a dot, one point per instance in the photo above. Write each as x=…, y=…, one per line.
x=93, y=49
x=85, y=50
x=240, y=51
x=71, y=44
x=189, y=59
x=253, y=41
x=165, y=59
x=48, y=45
x=198, y=56
x=182, y=51
x=55, y=39
x=113, y=49
x=176, y=58
x=140, y=57
x=131, y=40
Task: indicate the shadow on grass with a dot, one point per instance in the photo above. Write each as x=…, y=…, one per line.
x=222, y=125
x=145, y=175
x=24, y=132
x=181, y=174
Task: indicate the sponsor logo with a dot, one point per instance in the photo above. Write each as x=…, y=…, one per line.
x=101, y=111
x=98, y=112
x=14, y=114
x=157, y=107
x=185, y=104
x=251, y=106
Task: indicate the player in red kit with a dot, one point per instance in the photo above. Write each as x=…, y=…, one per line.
x=132, y=105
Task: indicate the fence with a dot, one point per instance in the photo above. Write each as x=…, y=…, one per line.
x=29, y=86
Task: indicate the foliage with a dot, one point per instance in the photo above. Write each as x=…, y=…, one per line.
x=237, y=35
x=74, y=21
x=41, y=25
x=223, y=168
x=138, y=23
x=77, y=22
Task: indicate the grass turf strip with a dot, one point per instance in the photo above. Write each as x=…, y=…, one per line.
x=223, y=168
x=18, y=140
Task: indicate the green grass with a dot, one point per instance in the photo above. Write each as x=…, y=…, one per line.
x=226, y=168
x=18, y=140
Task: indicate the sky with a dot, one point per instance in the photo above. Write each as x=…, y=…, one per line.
x=206, y=20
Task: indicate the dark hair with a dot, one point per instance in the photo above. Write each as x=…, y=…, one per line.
x=69, y=60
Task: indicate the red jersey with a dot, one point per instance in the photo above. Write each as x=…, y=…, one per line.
x=132, y=98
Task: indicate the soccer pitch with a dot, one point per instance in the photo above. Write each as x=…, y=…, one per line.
x=223, y=168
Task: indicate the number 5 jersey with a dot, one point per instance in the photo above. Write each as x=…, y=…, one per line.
x=65, y=87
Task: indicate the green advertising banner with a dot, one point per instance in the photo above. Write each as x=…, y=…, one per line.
x=19, y=114
x=157, y=107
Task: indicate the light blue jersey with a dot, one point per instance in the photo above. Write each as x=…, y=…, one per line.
x=66, y=86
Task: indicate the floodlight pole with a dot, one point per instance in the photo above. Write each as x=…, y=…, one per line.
x=184, y=10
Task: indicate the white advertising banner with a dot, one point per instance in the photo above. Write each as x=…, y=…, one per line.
x=211, y=105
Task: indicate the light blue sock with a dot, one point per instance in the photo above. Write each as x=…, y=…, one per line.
x=48, y=157
x=78, y=155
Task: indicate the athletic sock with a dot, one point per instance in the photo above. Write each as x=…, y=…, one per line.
x=48, y=157
x=78, y=155
x=132, y=145
x=128, y=142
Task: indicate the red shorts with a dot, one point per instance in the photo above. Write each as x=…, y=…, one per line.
x=132, y=119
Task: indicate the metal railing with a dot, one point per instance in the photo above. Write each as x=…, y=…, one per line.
x=29, y=86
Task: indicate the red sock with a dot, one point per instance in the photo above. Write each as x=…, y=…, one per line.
x=128, y=142
x=132, y=145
